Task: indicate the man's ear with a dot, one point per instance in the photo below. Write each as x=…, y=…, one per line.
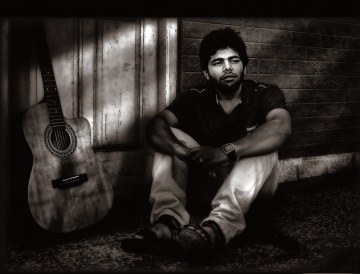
x=206, y=74
x=245, y=70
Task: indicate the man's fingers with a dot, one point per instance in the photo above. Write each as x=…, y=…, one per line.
x=212, y=173
x=195, y=155
x=194, y=149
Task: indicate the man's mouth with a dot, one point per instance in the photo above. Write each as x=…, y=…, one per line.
x=228, y=77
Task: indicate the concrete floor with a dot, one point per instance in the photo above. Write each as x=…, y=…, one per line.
x=310, y=226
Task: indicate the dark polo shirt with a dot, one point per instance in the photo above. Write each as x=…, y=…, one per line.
x=203, y=118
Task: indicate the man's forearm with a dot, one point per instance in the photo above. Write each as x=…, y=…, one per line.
x=265, y=139
x=163, y=140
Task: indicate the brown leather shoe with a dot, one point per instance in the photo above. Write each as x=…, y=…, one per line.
x=196, y=242
x=146, y=241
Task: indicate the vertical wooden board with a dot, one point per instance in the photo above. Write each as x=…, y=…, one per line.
x=117, y=111
x=87, y=51
x=148, y=71
x=167, y=61
x=61, y=40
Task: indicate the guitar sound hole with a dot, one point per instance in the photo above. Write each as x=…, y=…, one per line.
x=60, y=139
x=61, y=142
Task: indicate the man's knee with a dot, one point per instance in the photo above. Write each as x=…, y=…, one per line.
x=270, y=185
x=183, y=137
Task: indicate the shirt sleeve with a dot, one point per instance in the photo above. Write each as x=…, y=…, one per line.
x=181, y=107
x=272, y=97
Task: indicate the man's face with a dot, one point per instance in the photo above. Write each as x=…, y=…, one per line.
x=225, y=70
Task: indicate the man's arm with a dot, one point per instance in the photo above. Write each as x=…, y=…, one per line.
x=268, y=137
x=161, y=137
x=265, y=139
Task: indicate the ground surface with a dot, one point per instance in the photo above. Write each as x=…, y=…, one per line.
x=311, y=226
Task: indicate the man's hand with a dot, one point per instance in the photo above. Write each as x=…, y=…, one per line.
x=207, y=156
x=181, y=151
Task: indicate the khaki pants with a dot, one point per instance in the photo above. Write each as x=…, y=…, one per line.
x=246, y=179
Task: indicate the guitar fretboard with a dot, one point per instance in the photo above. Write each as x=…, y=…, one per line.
x=51, y=94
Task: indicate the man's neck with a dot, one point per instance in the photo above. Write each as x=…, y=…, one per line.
x=227, y=96
x=229, y=100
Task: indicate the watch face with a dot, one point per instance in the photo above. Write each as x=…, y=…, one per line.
x=228, y=148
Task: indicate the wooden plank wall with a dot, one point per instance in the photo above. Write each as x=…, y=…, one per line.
x=315, y=61
x=115, y=72
x=97, y=70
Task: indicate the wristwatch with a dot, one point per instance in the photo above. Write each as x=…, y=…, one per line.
x=229, y=150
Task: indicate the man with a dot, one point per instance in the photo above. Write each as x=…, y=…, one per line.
x=232, y=129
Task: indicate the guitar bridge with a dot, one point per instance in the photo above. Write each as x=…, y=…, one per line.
x=70, y=181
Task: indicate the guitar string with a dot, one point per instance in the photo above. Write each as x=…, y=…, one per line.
x=63, y=138
x=56, y=137
x=59, y=132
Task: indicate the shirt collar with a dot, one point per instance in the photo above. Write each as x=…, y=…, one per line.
x=246, y=94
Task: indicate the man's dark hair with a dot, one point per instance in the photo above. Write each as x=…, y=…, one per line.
x=221, y=39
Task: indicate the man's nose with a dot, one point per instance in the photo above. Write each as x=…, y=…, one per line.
x=227, y=66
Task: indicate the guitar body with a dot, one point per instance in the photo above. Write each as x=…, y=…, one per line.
x=54, y=204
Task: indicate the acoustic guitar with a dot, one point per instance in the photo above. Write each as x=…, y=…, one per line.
x=68, y=187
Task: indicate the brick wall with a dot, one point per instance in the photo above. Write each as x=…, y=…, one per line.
x=315, y=61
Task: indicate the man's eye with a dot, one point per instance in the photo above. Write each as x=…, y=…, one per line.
x=217, y=63
x=234, y=61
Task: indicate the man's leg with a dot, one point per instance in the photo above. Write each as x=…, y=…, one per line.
x=168, y=189
x=168, y=200
x=231, y=202
x=248, y=178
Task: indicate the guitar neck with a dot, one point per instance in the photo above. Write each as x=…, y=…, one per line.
x=51, y=94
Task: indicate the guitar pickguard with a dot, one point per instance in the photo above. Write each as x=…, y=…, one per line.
x=56, y=150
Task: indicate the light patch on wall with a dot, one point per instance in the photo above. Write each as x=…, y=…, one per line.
x=117, y=95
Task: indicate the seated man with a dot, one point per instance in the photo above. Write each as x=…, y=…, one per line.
x=232, y=129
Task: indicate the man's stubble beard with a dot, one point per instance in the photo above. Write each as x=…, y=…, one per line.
x=225, y=88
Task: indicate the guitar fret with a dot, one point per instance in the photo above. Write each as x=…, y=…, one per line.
x=51, y=92
x=57, y=120
x=48, y=95
x=49, y=84
x=55, y=110
x=47, y=72
x=59, y=116
x=47, y=77
x=54, y=103
x=58, y=125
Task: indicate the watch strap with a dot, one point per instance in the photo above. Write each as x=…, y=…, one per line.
x=230, y=154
